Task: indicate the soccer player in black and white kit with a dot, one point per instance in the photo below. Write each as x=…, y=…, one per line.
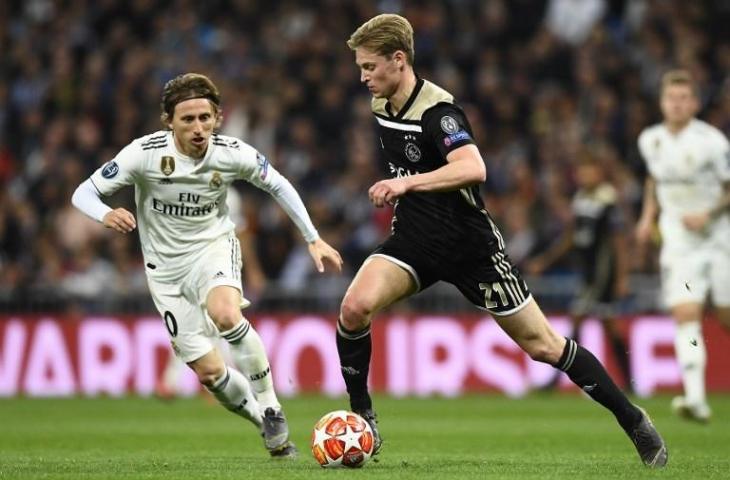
x=597, y=236
x=193, y=260
x=441, y=231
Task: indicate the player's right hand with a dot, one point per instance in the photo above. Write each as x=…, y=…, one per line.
x=120, y=220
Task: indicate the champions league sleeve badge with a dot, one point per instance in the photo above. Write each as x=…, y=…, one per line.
x=449, y=124
x=110, y=170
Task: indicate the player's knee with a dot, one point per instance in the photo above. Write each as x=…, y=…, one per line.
x=208, y=375
x=354, y=313
x=544, y=350
x=225, y=316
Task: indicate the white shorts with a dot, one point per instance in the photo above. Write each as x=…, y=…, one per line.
x=182, y=304
x=696, y=276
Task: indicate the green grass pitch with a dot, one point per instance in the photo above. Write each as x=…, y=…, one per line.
x=485, y=436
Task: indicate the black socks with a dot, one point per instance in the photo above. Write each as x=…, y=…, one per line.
x=355, y=349
x=586, y=371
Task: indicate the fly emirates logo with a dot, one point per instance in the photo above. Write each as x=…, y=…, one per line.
x=189, y=206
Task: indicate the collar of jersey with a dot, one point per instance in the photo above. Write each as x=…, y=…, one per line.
x=409, y=102
x=193, y=161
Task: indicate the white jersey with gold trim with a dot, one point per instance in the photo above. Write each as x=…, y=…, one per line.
x=690, y=169
x=181, y=201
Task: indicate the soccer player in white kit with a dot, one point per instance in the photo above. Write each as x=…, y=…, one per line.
x=192, y=256
x=688, y=185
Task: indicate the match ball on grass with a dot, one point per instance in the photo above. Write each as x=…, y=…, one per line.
x=342, y=439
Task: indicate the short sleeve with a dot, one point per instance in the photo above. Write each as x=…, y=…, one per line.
x=447, y=126
x=125, y=169
x=254, y=166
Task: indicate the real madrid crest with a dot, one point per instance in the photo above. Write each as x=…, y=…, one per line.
x=216, y=181
x=167, y=165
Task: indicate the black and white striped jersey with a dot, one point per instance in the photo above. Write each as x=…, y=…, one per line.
x=417, y=140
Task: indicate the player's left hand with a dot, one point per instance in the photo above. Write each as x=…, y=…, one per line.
x=696, y=221
x=322, y=253
x=387, y=191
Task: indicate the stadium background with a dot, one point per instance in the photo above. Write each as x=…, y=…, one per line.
x=540, y=79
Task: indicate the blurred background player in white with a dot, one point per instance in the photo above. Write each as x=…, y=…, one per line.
x=688, y=186
x=597, y=237
x=192, y=256
x=168, y=386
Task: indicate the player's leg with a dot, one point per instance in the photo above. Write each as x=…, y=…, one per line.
x=532, y=332
x=191, y=342
x=223, y=305
x=576, y=321
x=685, y=285
x=228, y=386
x=216, y=286
x=495, y=285
x=379, y=282
x=689, y=347
x=619, y=349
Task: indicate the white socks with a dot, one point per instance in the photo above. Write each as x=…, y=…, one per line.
x=692, y=357
x=249, y=355
x=233, y=392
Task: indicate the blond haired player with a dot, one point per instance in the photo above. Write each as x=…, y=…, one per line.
x=443, y=232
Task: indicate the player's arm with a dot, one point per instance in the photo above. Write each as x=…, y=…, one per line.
x=447, y=127
x=724, y=204
x=649, y=211
x=699, y=220
x=464, y=168
x=86, y=198
x=257, y=170
x=106, y=180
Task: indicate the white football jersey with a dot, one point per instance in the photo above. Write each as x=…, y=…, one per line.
x=690, y=169
x=181, y=201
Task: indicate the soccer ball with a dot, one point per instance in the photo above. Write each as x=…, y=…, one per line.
x=342, y=439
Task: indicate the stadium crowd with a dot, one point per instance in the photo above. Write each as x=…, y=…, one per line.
x=543, y=80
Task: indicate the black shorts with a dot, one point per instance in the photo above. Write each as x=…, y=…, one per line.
x=486, y=278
